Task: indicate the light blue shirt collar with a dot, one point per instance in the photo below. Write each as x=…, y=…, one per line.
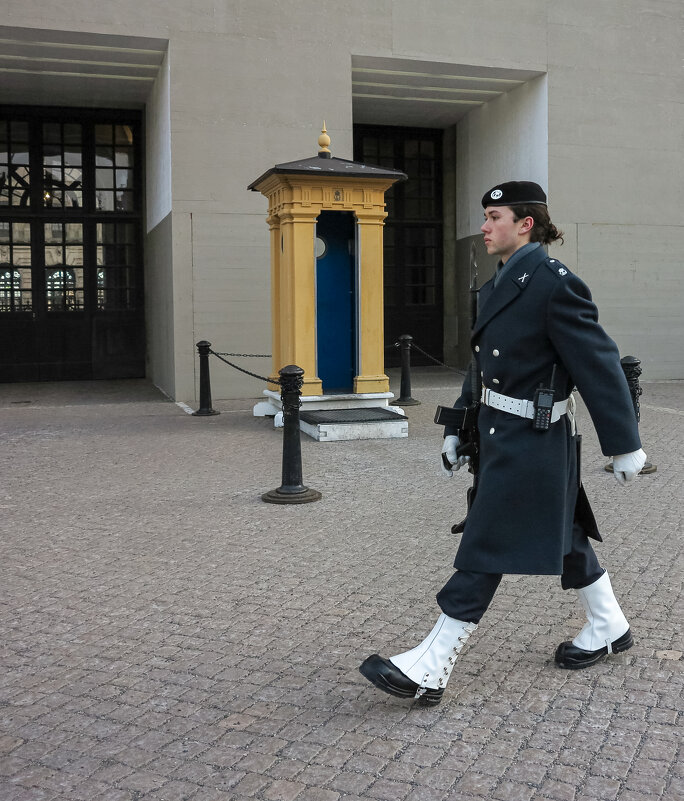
x=502, y=269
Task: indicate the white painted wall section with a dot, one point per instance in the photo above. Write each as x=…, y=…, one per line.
x=158, y=148
x=504, y=140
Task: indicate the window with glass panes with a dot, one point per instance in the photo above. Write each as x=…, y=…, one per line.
x=413, y=247
x=15, y=267
x=14, y=163
x=62, y=165
x=114, y=162
x=116, y=265
x=70, y=216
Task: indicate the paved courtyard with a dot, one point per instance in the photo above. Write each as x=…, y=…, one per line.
x=166, y=635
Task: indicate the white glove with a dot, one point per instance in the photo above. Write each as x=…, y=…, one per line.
x=628, y=465
x=451, y=442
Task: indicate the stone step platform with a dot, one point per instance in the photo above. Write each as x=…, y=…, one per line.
x=331, y=425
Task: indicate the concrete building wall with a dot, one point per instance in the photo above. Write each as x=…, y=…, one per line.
x=250, y=89
x=158, y=190
x=160, y=306
x=159, y=284
x=250, y=81
x=616, y=162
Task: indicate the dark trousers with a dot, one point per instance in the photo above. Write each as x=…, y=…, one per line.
x=467, y=595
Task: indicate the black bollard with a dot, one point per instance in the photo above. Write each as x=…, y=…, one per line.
x=632, y=370
x=205, y=409
x=291, y=490
x=405, y=398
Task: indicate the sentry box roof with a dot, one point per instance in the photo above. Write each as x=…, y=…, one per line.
x=327, y=165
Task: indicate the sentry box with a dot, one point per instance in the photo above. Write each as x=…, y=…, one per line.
x=326, y=218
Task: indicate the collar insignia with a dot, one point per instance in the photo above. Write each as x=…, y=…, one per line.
x=523, y=278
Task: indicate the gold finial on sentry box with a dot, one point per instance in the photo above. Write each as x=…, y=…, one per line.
x=324, y=142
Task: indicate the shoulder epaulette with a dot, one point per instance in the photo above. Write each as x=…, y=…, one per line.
x=557, y=267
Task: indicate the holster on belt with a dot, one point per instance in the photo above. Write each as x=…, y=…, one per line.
x=456, y=418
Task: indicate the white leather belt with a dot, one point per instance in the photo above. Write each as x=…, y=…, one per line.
x=521, y=408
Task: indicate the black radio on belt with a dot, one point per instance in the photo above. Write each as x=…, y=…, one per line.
x=543, y=405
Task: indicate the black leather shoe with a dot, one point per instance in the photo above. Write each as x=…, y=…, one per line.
x=387, y=677
x=571, y=657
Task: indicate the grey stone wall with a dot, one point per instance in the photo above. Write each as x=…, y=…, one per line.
x=249, y=84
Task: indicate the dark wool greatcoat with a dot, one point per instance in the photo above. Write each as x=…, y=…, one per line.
x=538, y=315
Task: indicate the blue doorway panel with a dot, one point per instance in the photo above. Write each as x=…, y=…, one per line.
x=336, y=300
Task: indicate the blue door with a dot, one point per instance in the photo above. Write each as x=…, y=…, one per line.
x=335, y=300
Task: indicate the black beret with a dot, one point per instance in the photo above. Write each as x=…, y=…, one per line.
x=514, y=193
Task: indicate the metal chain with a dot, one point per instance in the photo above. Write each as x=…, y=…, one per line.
x=437, y=361
x=247, y=355
x=277, y=382
x=425, y=353
x=247, y=372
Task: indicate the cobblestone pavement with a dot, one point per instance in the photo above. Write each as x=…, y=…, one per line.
x=167, y=635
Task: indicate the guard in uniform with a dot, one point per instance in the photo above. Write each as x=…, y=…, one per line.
x=536, y=337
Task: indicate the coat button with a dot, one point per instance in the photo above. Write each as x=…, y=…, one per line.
x=495, y=380
x=495, y=352
x=477, y=348
x=492, y=430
